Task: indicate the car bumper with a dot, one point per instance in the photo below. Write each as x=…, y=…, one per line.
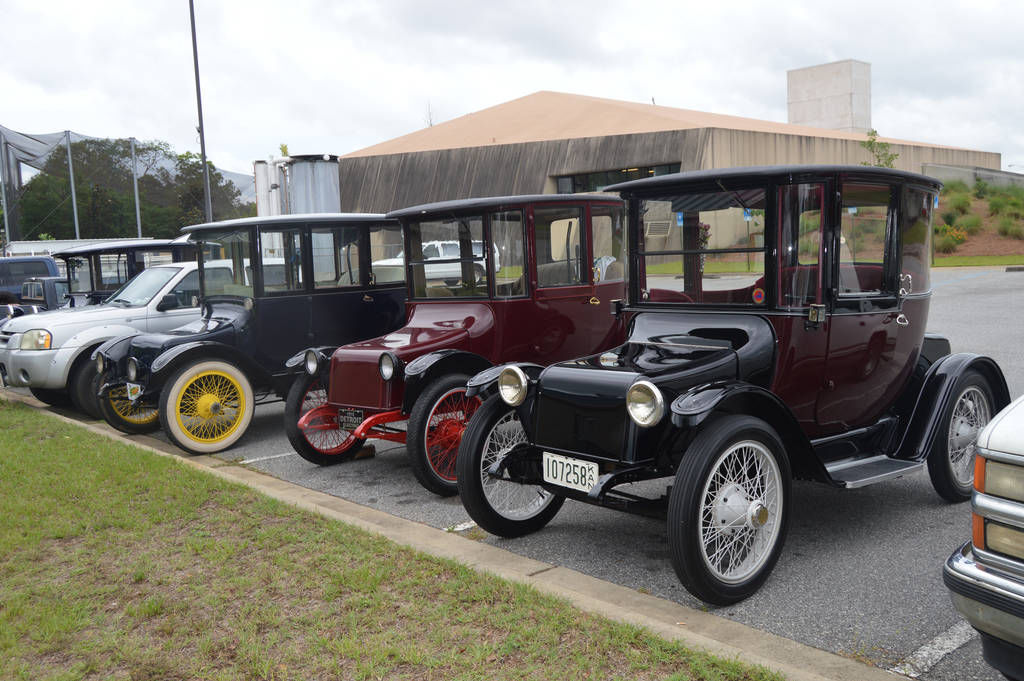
x=992, y=601
x=36, y=368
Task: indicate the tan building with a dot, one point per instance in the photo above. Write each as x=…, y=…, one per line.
x=551, y=142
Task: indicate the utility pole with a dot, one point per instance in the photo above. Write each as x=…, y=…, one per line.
x=135, y=184
x=3, y=188
x=71, y=176
x=199, y=104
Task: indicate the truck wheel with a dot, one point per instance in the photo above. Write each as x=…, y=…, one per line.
x=501, y=507
x=729, y=509
x=206, y=406
x=326, y=445
x=135, y=418
x=951, y=459
x=51, y=396
x=436, y=423
x=80, y=388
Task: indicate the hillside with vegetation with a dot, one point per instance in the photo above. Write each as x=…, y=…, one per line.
x=983, y=220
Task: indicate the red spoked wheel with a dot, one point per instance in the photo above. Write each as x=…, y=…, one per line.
x=436, y=425
x=312, y=425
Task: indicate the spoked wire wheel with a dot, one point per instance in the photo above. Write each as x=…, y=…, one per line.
x=137, y=413
x=322, y=441
x=444, y=429
x=971, y=412
x=510, y=500
x=207, y=406
x=741, y=512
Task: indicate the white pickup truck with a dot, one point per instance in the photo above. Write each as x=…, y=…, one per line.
x=49, y=352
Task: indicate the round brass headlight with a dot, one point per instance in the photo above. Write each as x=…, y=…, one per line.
x=312, y=363
x=133, y=368
x=387, y=366
x=645, y=404
x=100, y=364
x=512, y=385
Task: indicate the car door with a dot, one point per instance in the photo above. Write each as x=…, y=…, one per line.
x=866, y=366
x=186, y=291
x=608, y=271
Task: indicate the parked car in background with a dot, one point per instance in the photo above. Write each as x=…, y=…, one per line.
x=50, y=352
x=985, y=576
x=538, y=300
x=777, y=330
x=15, y=270
x=97, y=269
x=45, y=293
x=270, y=287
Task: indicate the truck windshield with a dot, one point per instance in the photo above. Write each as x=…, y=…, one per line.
x=142, y=288
x=706, y=248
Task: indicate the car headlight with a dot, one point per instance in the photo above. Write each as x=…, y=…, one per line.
x=101, y=364
x=1001, y=480
x=312, y=363
x=388, y=365
x=512, y=386
x=133, y=368
x=645, y=404
x=36, y=339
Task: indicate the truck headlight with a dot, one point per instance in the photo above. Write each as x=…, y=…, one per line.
x=1002, y=480
x=388, y=365
x=133, y=368
x=645, y=404
x=312, y=363
x=512, y=385
x=36, y=339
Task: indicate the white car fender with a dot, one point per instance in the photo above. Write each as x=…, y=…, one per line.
x=89, y=338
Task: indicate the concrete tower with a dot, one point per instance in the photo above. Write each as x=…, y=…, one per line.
x=835, y=96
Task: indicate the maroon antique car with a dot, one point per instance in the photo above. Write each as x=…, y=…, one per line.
x=777, y=330
x=492, y=280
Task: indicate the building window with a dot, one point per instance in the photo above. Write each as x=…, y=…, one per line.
x=595, y=182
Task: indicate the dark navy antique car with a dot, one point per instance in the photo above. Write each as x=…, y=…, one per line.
x=777, y=330
x=527, y=278
x=269, y=287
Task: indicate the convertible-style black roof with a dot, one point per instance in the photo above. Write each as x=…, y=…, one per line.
x=767, y=173
x=490, y=202
x=285, y=219
x=119, y=245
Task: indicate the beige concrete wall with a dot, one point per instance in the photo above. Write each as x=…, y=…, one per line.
x=834, y=96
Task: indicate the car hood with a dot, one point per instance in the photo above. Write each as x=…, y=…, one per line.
x=1005, y=432
x=64, y=323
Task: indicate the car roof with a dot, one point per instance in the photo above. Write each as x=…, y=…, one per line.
x=354, y=218
x=460, y=205
x=106, y=246
x=785, y=172
x=23, y=258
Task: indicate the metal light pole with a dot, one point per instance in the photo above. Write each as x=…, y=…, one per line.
x=71, y=177
x=3, y=188
x=199, y=104
x=135, y=184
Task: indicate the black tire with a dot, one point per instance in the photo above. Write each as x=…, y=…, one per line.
x=80, y=388
x=433, y=445
x=134, y=418
x=194, y=424
x=492, y=431
x=54, y=397
x=706, y=517
x=324, y=448
x=951, y=459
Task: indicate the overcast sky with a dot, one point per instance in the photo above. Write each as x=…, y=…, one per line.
x=333, y=77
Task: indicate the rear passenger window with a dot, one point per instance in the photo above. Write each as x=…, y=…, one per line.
x=336, y=257
x=864, y=222
x=559, y=246
x=281, y=257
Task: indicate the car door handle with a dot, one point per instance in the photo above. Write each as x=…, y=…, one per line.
x=594, y=300
x=367, y=298
x=902, y=320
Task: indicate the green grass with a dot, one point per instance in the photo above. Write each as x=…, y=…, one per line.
x=709, y=268
x=119, y=564
x=978, y=260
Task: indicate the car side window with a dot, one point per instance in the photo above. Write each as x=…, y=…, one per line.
x=336, y=257
x=609, y=243
x=187, y=290
x=800, y=226
x=281, y=258
x=865, y=217
x=560, y=248
x=916, y=239
x=386, y=254
x=509, y=254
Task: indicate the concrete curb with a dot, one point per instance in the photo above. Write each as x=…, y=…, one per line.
x=694, y=628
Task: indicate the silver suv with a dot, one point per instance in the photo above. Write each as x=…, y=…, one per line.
x=49, y=352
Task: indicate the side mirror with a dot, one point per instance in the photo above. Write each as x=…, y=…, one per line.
x=168, y=302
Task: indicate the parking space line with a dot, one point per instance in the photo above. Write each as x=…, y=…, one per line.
x=462, y=527
x=928, y=655
x=266, y=458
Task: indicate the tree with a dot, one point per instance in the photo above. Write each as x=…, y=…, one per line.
x=881, y=156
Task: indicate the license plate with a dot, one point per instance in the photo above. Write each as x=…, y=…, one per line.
x=350, y=419
x=134, y=390
x=572, y=473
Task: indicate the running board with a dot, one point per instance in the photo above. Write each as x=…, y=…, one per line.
x=854, y=473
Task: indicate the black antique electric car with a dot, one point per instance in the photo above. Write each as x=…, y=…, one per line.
x=777, y=330
x=269, y=287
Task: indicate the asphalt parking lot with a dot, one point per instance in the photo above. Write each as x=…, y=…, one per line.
x=860, y=574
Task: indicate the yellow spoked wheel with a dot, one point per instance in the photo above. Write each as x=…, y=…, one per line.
x=124, y=414
x=207, y=406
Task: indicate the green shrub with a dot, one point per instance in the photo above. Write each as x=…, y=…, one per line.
x=949, y=217
x=1010, y=228
x=945, y=244
x=970, y=223
x=981, y=189
x=961, y=203
x=954, y=187
x=997, y=205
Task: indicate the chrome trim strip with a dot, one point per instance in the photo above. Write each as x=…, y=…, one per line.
x=1001, y=510
x=999, y=561
x=1002, y=457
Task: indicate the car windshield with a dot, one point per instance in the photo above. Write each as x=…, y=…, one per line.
x=225, y=263
x=704, y=248
x=452, y=262
x=142, y=288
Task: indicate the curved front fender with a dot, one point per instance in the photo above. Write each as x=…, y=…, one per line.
x=423, y=370
x=115, y=351
x=485, y=382
x=99, y=334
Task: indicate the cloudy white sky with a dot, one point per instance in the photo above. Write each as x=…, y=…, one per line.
x=333, y=77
